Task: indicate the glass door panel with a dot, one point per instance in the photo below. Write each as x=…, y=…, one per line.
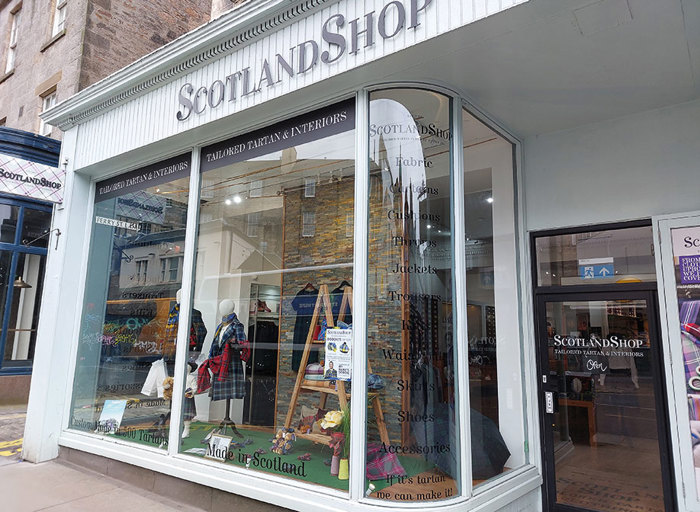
x=24, y=310
x=604, y=430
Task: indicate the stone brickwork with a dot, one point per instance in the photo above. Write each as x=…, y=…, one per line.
x=100, y=37
x=329, y=245
x=118, y=32
x=42, y=63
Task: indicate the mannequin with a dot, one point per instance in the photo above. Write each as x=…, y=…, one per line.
x=224, y=359
x=196, y=338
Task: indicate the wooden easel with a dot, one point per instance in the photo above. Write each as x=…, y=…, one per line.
x=322, y=387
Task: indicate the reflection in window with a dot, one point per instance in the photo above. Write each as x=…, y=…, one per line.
x=492, y=327
x=273, y=277
x=25, y=307
x=126, y=347
x=412, y=428
x=596, y=257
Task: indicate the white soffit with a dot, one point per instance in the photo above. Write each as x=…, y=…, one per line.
x=532, y=69
x=138, y=105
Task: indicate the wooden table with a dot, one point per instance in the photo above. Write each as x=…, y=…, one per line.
x=590, y=406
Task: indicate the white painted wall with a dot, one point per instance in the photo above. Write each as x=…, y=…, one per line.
x=125, y=127
x=628, y=168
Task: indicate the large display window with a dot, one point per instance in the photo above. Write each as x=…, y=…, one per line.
x=265, y=281
x=126, y=346
x=270, y=388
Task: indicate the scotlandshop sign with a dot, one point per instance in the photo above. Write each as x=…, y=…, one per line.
x=339, y=37
x=31, y=179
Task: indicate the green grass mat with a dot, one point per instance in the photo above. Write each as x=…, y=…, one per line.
x=314, y=470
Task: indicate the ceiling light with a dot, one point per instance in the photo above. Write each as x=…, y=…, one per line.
x=237, y=199
x=228, y=202
x=489, y=200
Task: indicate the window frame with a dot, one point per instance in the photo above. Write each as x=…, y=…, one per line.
x=516, y=482
x=16, y=248
x=58, y=21
x=11, y=56
x=48, y=100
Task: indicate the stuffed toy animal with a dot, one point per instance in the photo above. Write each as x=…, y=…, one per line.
x=283, y=442
x=278, y=442
x=168, y=388
x=289, y=439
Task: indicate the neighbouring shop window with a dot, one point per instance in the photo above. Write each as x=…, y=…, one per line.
x=492, y=327
x=596, y=257
x=686, y=262
x=126, y=346
x=24, y=233
x=269, y=388
x=413, y=442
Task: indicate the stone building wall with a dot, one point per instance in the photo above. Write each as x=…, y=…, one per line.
x=330, y=245
x=100, y=37
x=42, y=64
x=118, y=32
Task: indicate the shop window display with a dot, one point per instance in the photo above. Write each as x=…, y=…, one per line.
x=270, y=390
x=491, y=337
x=413, y=438
x=267, y=380
x=126, y=347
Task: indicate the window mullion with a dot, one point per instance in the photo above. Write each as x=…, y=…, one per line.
x=185, y=306
x=460, y=286
x=358, y=409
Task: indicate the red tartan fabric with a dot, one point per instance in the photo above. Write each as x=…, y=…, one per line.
x=218, y=366
x=381, y=464
x=693, y=329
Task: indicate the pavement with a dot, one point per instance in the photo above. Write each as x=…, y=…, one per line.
x=11, y=431
x=59, y=486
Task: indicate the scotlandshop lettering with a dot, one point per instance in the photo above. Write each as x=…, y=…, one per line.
x=336, y=34
x=593, y=342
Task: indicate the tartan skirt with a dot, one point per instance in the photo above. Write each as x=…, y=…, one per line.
x=188, y=409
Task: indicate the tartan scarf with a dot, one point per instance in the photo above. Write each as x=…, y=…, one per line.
x=225, y=321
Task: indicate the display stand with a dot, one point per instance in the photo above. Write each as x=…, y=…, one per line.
x=322, y=387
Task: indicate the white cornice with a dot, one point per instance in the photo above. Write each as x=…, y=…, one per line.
x=190, y=51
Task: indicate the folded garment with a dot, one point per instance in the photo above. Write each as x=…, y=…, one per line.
x=314, y=369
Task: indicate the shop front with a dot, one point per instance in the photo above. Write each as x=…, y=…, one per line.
x=30, y=183
x=313, y=274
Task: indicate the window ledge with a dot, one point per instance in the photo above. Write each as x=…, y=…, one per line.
x=51, y=41
x=7, y=75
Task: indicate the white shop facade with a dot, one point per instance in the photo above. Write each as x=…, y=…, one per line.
x=398, y=255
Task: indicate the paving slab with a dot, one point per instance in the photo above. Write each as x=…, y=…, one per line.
x=58, y=486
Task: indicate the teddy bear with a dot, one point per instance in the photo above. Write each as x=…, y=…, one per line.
x=168, y=388
x=278, y=442
x=283, y=442
x=289, y=439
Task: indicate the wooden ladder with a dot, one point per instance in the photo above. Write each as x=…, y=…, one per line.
x=322, y=387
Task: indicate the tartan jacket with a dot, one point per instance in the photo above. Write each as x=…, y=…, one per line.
x=229, y=381
x=197, y=329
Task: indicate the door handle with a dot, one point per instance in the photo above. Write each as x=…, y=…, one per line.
x=549, y=402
